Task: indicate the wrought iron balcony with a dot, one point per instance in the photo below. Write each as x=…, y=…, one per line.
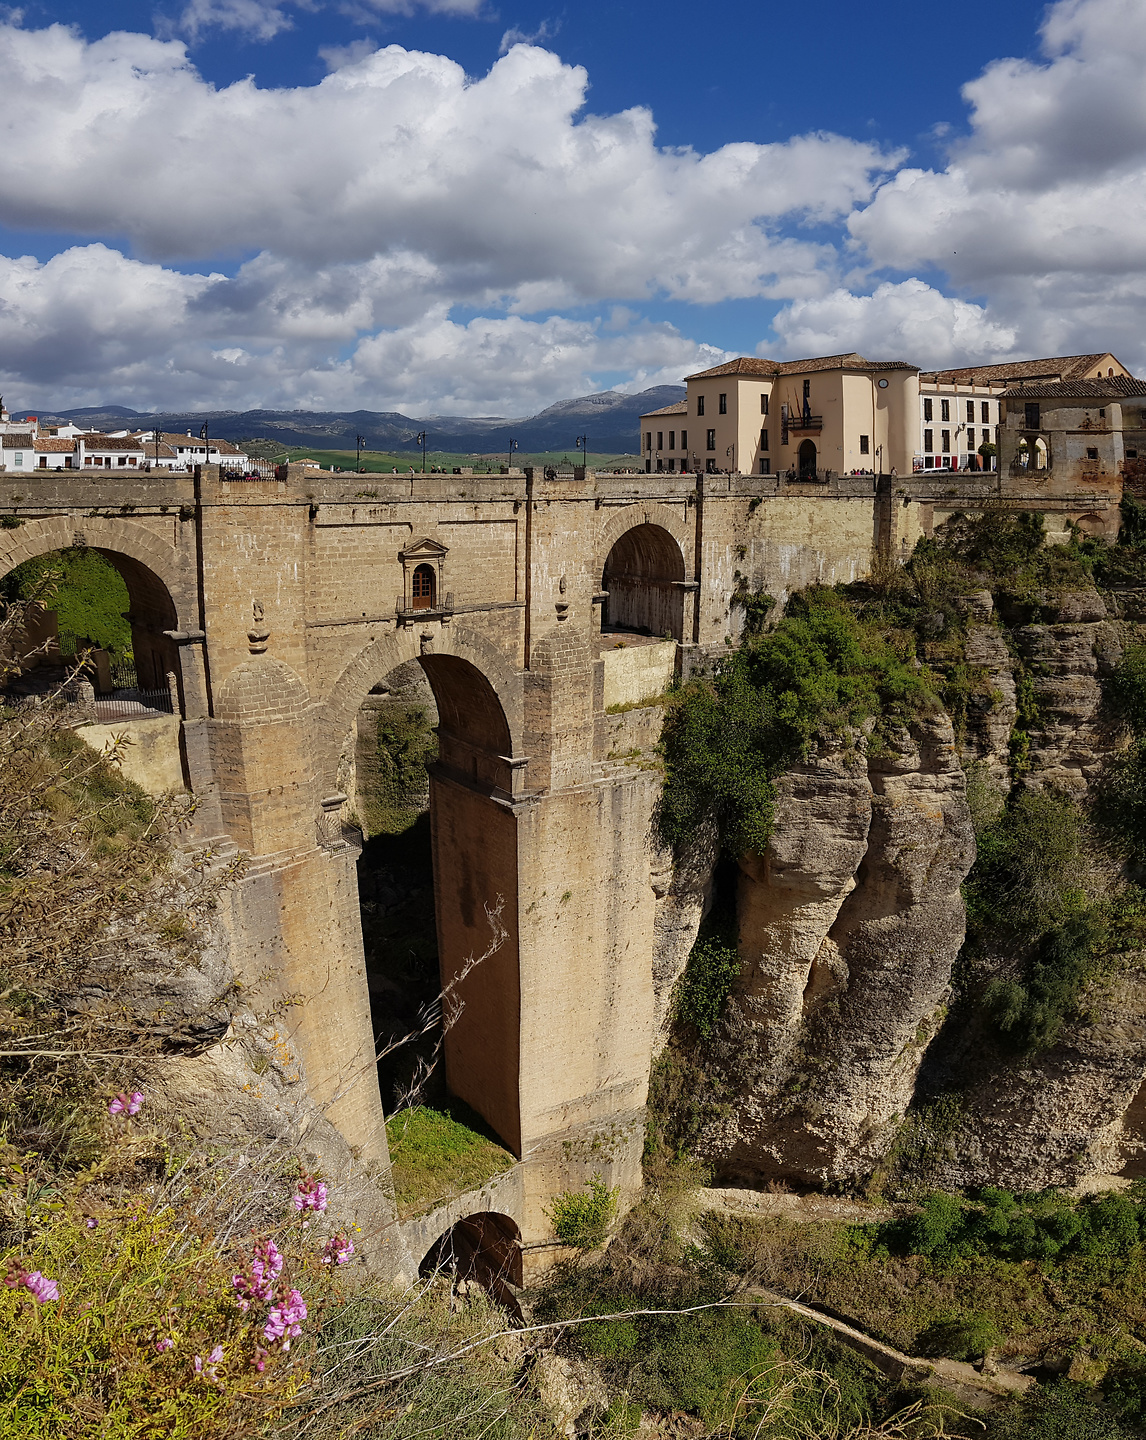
x=803, y=423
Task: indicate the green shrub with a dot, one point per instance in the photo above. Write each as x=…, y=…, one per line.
x=1043, y=1225
x=713, y=969
x=968, y=1337
x=582, y=1217
x=728, y=738
x=1062, y=1411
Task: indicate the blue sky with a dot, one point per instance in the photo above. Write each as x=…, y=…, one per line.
x=450, y=205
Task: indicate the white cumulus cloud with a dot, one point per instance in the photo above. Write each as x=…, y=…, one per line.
x=1042, y=207
x=906, y=321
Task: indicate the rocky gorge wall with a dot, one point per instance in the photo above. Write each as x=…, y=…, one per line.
x=848, y=1044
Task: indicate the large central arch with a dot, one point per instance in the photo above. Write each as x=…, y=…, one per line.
x=474, y=850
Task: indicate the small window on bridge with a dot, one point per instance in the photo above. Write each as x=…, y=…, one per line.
x=422, y=588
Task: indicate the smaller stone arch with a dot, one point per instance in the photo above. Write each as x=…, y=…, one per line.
x=643, y=580
x=1093, y=524
x=480, y=705
x=806, y=460
x=482, y=1249
x=158, y=602
x=665, y=516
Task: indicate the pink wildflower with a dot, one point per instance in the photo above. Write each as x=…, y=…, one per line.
x=283, y=1320
x=124, y=1104
x=311, y=1194
x=259, y=1285
x=338, y=1250
x=135, y=1102
x=39, y=1286
x=90, y=1223
x=165, y=1344
x=208, y=1368
x=260, y=1359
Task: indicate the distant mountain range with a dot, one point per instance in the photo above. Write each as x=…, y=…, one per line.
x=609, y=419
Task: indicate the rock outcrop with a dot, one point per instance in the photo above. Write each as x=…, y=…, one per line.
x=851, y=922
x=1061, y=1117
x=849, y=927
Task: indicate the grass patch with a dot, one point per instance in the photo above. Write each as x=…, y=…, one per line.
x=436, y=1156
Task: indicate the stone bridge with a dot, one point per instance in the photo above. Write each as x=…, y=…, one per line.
x=280, y=604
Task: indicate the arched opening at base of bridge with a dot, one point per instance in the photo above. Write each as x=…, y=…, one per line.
x=109, y=607
x=482, y=1249
x=642, y=580
x=426, y=780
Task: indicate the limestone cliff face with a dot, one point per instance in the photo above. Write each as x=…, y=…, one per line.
x=849, y=927
x=852, y=920
x=1062, y=1118
x=1057, y=652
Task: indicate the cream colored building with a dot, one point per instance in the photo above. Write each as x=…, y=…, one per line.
x=664, y=438
x=804, y=419
x=959, y=410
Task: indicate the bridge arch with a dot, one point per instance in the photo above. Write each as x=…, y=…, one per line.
x=472, y=844
x=482, y=695
x=484, y=1248
x=159, y=600
x=643, y=577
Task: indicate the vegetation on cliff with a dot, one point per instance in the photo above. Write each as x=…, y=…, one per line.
x=728, y=736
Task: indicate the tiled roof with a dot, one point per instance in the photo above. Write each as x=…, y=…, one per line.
x=680, y=408
x=18, y=441
x=1062, y=367
x=1111, y=387
x=750, y=365
x=54, y=445
x=111, y=442
x=178, y=441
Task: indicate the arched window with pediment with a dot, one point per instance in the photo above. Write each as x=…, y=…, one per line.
x=422, y=588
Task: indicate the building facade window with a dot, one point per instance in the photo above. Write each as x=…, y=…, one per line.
x=985, y=412
x=19, y=457
x=710, y=465
x=1091, y=453
x=928, y=409
x=763, y=439
x=946, y=442
x=684, y=439
x=648, y=440
x=722, y=404
x=945, y=409
x=660, y=439
x=1031, y=415
x=422, y=588
x=971, y=411
x=710, y=442
x=672, y=439
x=864, y=445
x=700, y=404
x=765, y=466
x=929, y=441
x=763, y=404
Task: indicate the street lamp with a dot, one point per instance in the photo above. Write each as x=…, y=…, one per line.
x=205, y=436
x=513, y=445
x=360, y=440
x=420, y=439
x=582, y=444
